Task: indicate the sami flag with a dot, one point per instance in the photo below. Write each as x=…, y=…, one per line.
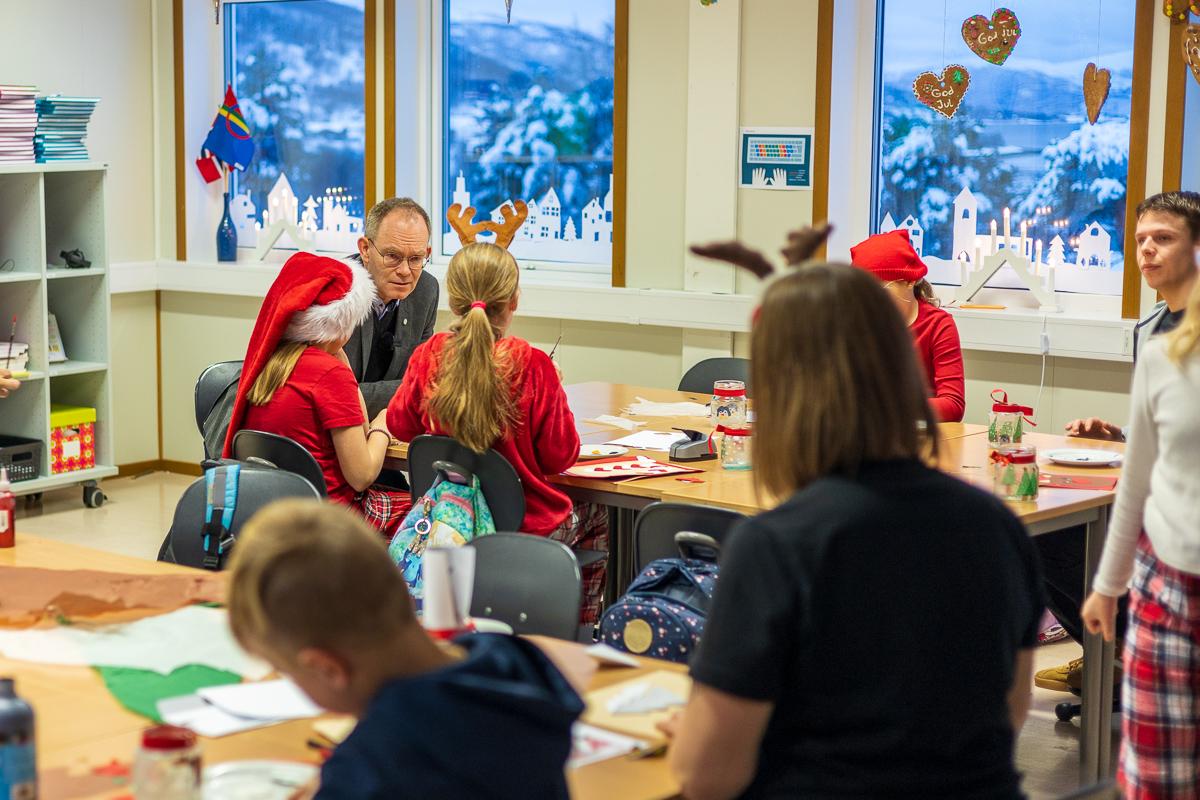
x=228, y=142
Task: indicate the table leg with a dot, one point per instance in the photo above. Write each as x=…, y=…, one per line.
x=620, y=553
x=1095, y=747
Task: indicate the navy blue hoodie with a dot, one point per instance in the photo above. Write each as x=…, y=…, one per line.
x=494, y=725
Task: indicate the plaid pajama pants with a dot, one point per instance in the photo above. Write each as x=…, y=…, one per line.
x=384, y=508
x=1160, y=748
x=587, y=529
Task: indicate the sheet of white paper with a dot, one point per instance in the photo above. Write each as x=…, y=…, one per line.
x=278, y=699
x=191, y=712
x=642, y=698
x=650, y=440
x=607, y=654
x=649, y=408
x=590, y=744
x=449, y=575
x=191, y=635
x=616, y=422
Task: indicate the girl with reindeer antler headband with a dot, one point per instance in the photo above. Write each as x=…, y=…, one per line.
x=491, y=390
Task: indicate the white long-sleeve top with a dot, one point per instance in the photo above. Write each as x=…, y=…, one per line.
x=1159, y=489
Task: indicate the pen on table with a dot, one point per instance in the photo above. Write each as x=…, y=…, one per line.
x=552, y=349
x=650, y=751
x=11, y=336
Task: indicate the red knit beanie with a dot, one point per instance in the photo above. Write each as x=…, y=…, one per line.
x=313, y=299
x=889, y=257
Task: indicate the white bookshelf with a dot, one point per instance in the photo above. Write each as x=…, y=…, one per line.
x=44, y=209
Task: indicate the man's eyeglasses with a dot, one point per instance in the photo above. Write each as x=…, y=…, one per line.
x=393, y=260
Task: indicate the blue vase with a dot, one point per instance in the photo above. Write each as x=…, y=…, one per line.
x=226, y=236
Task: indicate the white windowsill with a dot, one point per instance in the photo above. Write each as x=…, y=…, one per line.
x=1083, y=333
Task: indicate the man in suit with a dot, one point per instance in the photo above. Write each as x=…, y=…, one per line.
x=395, y=249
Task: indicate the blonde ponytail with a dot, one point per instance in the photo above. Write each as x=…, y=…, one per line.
x=1182, y=342
x=275, y=372
x=472, y=395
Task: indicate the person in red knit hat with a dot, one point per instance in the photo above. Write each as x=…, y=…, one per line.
x=491, y=390
x=296, y=382
x=890, y=258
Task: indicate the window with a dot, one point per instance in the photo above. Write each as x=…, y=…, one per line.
x=1020, y=140
x=297, y=67
x=528, y=114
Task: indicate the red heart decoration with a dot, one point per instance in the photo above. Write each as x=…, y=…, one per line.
x=943, y=94
x=993, y=40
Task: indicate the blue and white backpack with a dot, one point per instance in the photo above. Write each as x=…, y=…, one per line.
x=663, y=613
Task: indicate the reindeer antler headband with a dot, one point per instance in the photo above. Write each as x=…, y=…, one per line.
x=462, y=221
x=800, y=247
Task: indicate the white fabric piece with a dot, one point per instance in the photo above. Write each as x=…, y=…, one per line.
x=649, y=408
x=590, y=744
x=659, y=441
x=191, y=635
x=616, y=422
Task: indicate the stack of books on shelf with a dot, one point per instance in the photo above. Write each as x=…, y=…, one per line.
x=14, y=356
x=61, y=127
x=18, y=119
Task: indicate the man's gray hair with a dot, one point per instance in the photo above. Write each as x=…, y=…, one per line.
x=381, y=210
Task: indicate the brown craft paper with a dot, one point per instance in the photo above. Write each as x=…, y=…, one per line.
x=1191, y=49
x=30, y=596
x=992, y=40
x=1095, y=90
x=943, y=94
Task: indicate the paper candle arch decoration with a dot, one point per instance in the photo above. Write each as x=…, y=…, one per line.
x=992, y=40
x=1096, y=83
x=943, y=94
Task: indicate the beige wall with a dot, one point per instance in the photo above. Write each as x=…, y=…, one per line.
x=134, y=388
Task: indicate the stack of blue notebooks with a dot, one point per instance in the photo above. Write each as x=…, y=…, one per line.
x=62, y=126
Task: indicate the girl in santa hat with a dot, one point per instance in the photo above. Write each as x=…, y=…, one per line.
x=891, y=258
x=491, y=390
x=296, y=382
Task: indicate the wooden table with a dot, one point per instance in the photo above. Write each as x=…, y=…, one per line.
x=80, y=726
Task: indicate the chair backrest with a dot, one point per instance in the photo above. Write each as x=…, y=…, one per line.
x=211, y=384
x=701, y=376
x=656, y=526
x=530, y=582
x=500, y=483
x=279, y=452
x=257, y=486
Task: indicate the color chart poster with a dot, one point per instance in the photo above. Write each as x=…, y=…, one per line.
x=776, y=158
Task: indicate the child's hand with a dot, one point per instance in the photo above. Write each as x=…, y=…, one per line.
x=10, y=384
x=669, y=727
x=1099, y=613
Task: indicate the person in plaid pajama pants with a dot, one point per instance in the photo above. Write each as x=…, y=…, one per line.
x=587, y=529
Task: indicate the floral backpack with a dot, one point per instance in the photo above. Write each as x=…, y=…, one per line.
x=449, y=514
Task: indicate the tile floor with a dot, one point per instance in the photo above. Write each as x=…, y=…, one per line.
x=136, y=518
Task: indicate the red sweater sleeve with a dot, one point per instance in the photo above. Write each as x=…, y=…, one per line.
x=404, y=415
x=555, y=440
x=945, y=355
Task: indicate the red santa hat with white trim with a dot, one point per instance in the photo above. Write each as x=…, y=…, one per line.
x=314, y=299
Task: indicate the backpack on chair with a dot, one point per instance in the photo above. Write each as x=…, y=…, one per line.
x=662, y=615
x=451, y=513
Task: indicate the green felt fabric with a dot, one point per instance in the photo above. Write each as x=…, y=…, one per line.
x=139, y=690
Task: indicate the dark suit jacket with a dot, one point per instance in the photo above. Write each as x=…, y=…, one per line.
x=415, y=318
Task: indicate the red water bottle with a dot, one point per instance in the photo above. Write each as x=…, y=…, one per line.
x=8, y=505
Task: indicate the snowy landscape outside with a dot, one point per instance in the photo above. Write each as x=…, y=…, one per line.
x=1020, y=140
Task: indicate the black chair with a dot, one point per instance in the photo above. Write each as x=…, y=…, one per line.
x=280, y=452
x=701, y=376
x=257, y=487
x=501, y=486
x=529, y=582
x=656, y=526
x=213, y=382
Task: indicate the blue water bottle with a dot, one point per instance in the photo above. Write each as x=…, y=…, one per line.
x=18, y=767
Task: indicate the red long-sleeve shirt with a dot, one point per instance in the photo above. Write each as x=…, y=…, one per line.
x=940, y=354
x=542, y=442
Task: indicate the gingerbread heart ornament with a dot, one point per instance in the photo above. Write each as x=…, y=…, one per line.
x=1178, y=10
x=1096, y=83
x=943, y=94
x=1191, y=49
x=992, y=40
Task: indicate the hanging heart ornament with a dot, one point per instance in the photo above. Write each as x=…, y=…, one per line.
x=1178, y=10
x=943, y=94
x=992, y=40
x=1191, y=49
x=1096, y=83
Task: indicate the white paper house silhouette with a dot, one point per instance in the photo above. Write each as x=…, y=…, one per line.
x=966, y=209
x=1095, y=247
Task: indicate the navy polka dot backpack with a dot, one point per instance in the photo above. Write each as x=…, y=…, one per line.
x=663, y=613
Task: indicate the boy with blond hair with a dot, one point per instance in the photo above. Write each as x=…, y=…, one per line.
x=313, y=592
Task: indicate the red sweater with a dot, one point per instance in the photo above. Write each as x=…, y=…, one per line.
x=940, y=354
x=543, y=441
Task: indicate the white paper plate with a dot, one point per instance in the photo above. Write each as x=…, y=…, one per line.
x=256, y=780
x=1084, y=458
x=587, y=451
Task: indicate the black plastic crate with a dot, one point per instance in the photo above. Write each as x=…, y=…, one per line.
x=21, y=457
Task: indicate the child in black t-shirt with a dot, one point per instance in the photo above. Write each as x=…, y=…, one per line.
x=313, y=592
x=853, y=621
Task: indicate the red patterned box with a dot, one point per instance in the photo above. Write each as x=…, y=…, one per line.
x=72, y=438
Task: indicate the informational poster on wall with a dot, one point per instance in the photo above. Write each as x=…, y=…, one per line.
x=776, y=158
